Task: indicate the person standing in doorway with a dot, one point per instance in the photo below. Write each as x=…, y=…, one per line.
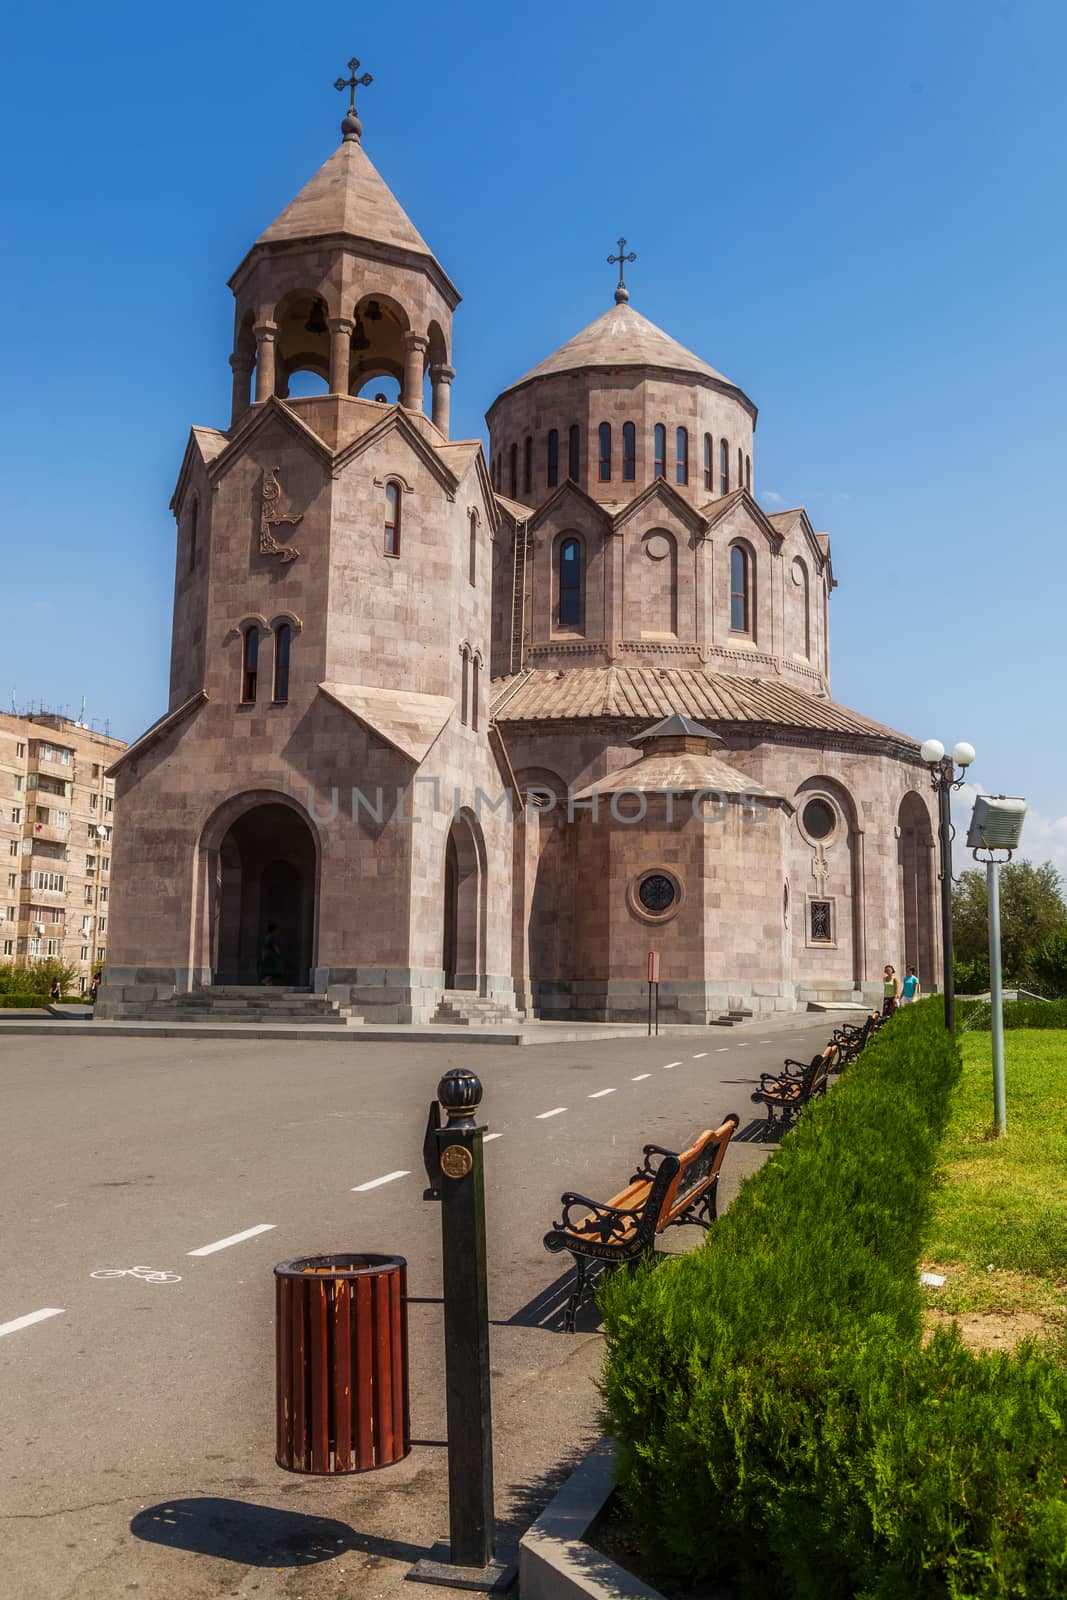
x=910, y=988
x=271, y=965
x=890, y=991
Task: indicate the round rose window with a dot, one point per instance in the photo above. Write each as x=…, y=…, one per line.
x=819, y=819
x=656, y=893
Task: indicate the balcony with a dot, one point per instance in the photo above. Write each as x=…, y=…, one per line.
x=52, y=768
x=50, y=833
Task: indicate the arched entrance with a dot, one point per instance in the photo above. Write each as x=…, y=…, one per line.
x=265, y=871
x=916, y=858
x=463, y=934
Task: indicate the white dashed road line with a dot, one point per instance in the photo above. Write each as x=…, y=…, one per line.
x=700, y=1055
x=720, y=1048
x=641, y=1076
x=29, y=1319
x=558, y=1111
x=487, y=1136
x=600, y=1093
x=667, y=1065
x=376, y=1183
x=234, y=1238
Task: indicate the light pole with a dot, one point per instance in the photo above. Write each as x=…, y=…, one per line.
x=944, y=780
x=996, y=824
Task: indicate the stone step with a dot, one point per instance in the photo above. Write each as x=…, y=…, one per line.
x=278, y=1019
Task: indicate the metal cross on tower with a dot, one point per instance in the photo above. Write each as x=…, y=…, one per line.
x=351, y=127
x=622, y=294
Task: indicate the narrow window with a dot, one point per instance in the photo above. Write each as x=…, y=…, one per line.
x=392, y=519
x=724, y=467
x=629, y=452
x=513, y=472
x=605, y=452
x=464, y=704
x=740, y=466
x=574, y=453
x=659, y=451
x=740, y=597
x=681, y=452
x=553, y=458
x=476, y=675
x=709, y=472
x=249, y=664
x=282, y=640
x=496, y=472
x=748, y=473
x=194, y=521
x=527, y=466
x=570, y=584
x=472, y=552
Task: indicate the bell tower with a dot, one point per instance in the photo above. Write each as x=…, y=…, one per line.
x=342, y=285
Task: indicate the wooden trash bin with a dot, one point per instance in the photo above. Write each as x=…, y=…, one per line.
x=342, y=1363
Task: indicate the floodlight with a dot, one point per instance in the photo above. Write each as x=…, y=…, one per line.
x=996, y=823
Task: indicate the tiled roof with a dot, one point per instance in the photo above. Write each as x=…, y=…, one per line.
x=622, y=337
x=639, y=693
x=678, y=774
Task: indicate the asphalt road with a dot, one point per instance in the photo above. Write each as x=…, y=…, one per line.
x=136, y=1423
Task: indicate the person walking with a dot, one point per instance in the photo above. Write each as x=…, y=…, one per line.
x=55, y=993
x=271, y=964
x=910, y=988
x=890, y=991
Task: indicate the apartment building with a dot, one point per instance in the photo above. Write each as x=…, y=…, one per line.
x=56, y=829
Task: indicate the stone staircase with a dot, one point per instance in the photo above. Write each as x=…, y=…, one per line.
x=251, y=1003
x=464, y=1008
x=727, y=1019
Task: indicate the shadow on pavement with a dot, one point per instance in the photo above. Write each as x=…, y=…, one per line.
x=258, y=1536
x=546, y=1310
x=760, y=1131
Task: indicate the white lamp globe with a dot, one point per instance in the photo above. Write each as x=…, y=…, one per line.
x=932, y=752
x=963, y=754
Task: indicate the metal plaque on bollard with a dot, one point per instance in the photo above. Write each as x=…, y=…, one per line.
x=470, y=1559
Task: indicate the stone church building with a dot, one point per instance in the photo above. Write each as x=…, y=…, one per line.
x=456, y=736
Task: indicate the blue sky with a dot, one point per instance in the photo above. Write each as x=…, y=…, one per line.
x=857, y=213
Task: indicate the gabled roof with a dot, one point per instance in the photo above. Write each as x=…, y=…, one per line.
x=641, y=693
x=406, y=721
x=347, y=195
x=713, y=511
x=676, y=726
x=677, y=773
x=667, y=494
x=159, y=730
x=569, y=490
x=514, y=508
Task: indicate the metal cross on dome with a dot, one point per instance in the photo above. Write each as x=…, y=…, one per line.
x=622, y=293
x=352, y=83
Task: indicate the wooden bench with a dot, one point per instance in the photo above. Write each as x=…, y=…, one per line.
x=788, y=1092
x=850, y=1039
x=668, y=1190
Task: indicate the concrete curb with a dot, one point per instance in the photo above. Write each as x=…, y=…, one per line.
x=555, y=1563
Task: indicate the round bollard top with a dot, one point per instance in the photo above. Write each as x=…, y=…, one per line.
x=345, y=1264
x=460, y=1092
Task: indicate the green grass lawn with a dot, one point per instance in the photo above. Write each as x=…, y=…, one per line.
x=999, y=1225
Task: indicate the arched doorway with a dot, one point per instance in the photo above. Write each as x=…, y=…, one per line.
x=265, y=874
x=916, y=857
x=463, y=934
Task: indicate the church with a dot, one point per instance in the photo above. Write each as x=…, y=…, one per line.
x=461, y=736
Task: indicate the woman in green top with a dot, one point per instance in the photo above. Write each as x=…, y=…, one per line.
x=890, y=991
x=271, y=965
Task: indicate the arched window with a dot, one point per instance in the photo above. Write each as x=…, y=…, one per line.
x=464, y=703
x=724, y=467
x=249, y=664
x=800, y=578
x=472, y=550
x=392, y=519
x=194, y=530
x=659, y=451
x=748, y=473
x=513, y=472
x=553, y=458
x=574, y=453
x=740, y=466
x=629, y=452
x=527, y=466
x=476, y=683
x=681, y=455
x=709, y=470
x=605, y=452
x=570, y=584
x=740, y=590
x=283, y=636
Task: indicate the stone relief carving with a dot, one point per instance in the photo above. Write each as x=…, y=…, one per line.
x=271, y=517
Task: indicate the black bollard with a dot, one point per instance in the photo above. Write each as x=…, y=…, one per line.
x=469, y=1560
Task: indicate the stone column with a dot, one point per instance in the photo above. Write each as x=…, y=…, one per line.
x=266, y=349
x=341, y=329
x=415, y=348
x=441, y=388
x=241, y=367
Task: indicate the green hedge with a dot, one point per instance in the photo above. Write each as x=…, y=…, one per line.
x=22, y=1002
x=1017, y=1014
x=780, y=1423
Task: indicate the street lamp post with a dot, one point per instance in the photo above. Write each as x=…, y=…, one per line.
x=944, y=780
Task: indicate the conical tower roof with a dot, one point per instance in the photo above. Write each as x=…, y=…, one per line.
x=622, y=337
x=347, y=196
